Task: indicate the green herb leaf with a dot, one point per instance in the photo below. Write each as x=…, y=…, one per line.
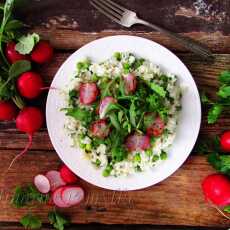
x=225, y=77
x=220, y=162
x=30, y=221
x=214, y=113
x=18, y=68
x=114, y=121
x=204, y=98
x=26, y=43
x=158, y=89
x=224, y=92
x=132, y=114
x=58, y=220
x=13, y=25
x=227, y=209
x=25, y=195
x=82, y=115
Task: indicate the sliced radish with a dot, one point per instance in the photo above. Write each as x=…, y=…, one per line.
x=55, y=179
x=100, y=128
x=104, y=104
x=67, y=175
x=130, y=83
x=42, y=183
x=137, y=142
x=57, y=198
x=72, y=195
x=88, y=93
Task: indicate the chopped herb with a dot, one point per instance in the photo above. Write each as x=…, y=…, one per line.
x=137, y=158
x=107, y=170
x=155, y=158
x=163, y=155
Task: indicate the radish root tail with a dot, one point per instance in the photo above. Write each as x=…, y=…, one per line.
x=22, y=152
x=219, y=210
x=48, y=88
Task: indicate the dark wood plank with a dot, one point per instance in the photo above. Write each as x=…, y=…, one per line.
x=73, y=39
x=177, y=200
x=176, y=15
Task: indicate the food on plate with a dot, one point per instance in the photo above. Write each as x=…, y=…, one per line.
x=122, y=113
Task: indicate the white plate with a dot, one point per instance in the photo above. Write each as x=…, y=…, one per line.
x=189, y=122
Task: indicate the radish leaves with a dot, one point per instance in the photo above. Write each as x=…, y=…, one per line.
x=30, y=221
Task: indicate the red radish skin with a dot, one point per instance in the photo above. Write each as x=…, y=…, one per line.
x=100, y=129
x=12, y=54
x=57, y=198
x=216, y=188
x=130, y=83
x=104, y=104
x=30, y=85
x=8, y=111
x=67, y=175
x=225, y=141
x=55, y=179
x=42, y=183
x=72, y=195
x=137, y=142
x=157, y=128
x=42, y=52
x=29, y=120
x=88, y=93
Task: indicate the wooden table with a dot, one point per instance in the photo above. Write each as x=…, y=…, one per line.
x=178, y=200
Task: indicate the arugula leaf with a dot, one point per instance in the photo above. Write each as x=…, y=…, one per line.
x=224, y=91
x=214, y=113
x=118, y=153
x=82, y=115
x=225, y=77
x=132, y=114
x=158, y=89
x=24, y=195
x=30, y=221
x=114, y=121
x=18, y=68
x=58, y=220
x=26, y=43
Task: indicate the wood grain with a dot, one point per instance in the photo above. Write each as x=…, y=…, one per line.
x=178, y=199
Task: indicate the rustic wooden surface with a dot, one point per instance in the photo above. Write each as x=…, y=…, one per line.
x=177, y=202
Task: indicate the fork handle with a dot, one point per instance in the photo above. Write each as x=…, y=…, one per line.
x=187, y=42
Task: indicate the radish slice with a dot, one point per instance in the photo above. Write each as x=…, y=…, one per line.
x=72, y=195
x=55, y=179
x=57, y=198
x=42, y=183
x=104, y=104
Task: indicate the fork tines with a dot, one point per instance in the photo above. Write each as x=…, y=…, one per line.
x=109, y=8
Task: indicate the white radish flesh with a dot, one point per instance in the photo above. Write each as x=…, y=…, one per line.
x=57, y=198
x=55, y=179
x=72, y=195
x=42, y=183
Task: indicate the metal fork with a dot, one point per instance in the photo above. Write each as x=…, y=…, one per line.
x=128, y=18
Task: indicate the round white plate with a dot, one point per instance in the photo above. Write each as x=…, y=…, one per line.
x=188, y=127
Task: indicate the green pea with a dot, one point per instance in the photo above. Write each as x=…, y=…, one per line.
x=163, y=155
x=155, y=158
x=82, y=146
x=88, y=147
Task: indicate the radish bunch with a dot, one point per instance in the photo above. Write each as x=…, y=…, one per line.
x=62, y=185
x=29, y=85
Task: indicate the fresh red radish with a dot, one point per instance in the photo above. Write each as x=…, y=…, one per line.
x=104, y=104
x=29, y=120
x=100, y=128
x=225, y=141
x=216, y=188
x=55, y=179
x=72, y=195
x=42, y=52
x=12, y=54
x=130, y=83
x=8, y=111
x=42, y=183
x=30, y=84
x=157, y=128
x=88, y=93
x=67, y=175
x=57, y=198
x=137, y=142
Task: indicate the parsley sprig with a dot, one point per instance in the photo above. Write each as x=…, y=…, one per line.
x=223, y=98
